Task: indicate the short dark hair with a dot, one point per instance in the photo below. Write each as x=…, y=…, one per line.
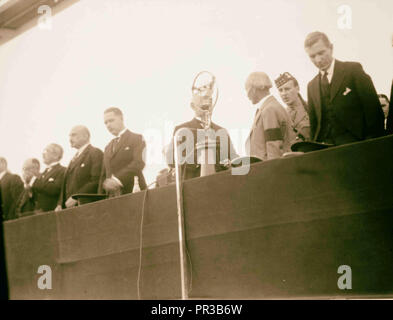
x=115, y=110
x=381, y=95
x=314, y=37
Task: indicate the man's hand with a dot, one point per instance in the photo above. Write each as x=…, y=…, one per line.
x=58, y=208
x=111, y=185
x=70, y=203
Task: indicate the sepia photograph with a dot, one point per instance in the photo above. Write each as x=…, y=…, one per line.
x=199, y=150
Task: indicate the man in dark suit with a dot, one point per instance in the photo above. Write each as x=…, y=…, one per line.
x=123, y=156
x=83, y=173
x=48, y=186
x=343, y=103
x=27, y=199
x=389, y=120
x=11, y=187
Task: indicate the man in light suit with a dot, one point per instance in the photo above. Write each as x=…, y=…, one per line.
x=47, y=188
x=11, y=186
x=83, y=173
x=343, y=103
x=123, y=156
x=271, y=133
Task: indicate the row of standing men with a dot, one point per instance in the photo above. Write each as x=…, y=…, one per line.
x=342, y=107
x=91, y=171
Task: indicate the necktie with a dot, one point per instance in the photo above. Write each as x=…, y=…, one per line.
x=45, y=172
x=325, y=86
x=114, y=144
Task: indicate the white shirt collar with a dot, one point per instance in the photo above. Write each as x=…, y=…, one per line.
x=2, y=174
x=121, y=132
x=330, y=71
x=50, y=166
x=81, y=149
x=34, y=178
x=264, y=100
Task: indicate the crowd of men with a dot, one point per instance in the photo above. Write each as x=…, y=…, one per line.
x=342, y=107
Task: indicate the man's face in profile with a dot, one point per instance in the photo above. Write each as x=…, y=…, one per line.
x=289, y=92
x=320, y=54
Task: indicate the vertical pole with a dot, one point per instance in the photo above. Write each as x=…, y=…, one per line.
x=180, y=220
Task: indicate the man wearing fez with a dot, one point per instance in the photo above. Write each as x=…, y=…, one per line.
x=271, y=133
x=11, y=186
x=48, y=185
x=27, y=199
x=288, y=88
x=123, y=157
x=83, y=173
x=343, y=103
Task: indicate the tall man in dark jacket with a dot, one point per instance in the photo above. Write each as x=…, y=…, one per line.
x=123, y=156
x=11, y=186
x=83, y=173
x=343, y=103
x=48, y=186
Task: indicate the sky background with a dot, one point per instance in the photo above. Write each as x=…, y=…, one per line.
x=142, y=56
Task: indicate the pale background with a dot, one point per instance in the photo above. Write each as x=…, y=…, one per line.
x=142, y=56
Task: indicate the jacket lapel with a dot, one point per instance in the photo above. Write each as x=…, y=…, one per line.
x=316, y=93
x=258, y=114
x=120, y=144
x=78, y=160
x=337, y=80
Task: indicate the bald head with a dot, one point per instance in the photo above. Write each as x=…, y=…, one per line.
x=258, y=86
x=79, y=136
x=3, y=164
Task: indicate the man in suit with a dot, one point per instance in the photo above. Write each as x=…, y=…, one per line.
x=27, y=199
x=83, y=172
x=389, y=119
x=288, y=87
x=343, y=103
x=271, y=133
x=48, y=186
x=11, y=186
x=123, y=156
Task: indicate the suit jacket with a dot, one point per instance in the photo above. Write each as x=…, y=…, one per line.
x=82, y=174
x=192, y=170
x=389, y=122
x=11, y=187
x=26, y=202
x=358, y=110
x=271, y=125
x=125, y=161
x=47, y=188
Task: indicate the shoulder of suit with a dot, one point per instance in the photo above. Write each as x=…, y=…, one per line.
x=349, y=64
x=95, y=149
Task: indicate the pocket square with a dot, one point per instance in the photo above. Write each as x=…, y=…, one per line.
x=82, y=165
x=51, y=179
x=127, y=148
x=347, y=90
